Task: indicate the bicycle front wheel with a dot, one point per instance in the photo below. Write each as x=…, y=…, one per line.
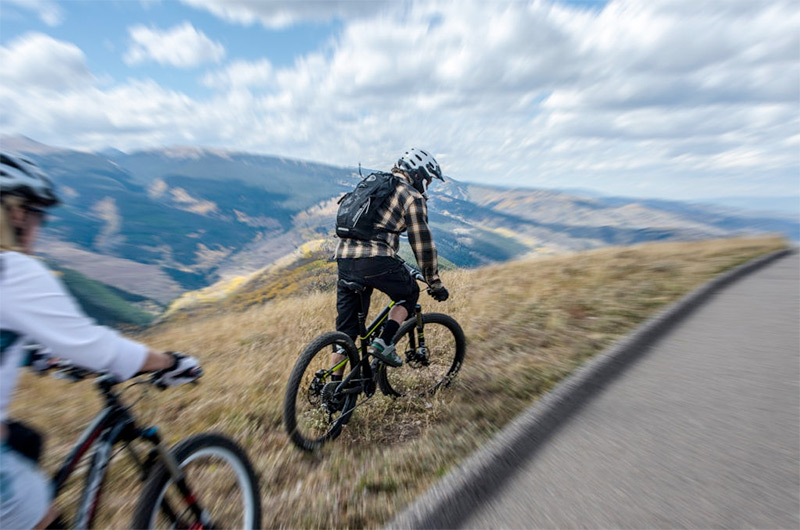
x=217, y=473
x=314, y=408
x=431, y=360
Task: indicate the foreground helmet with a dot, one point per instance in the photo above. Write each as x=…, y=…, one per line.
x=23, y=178
x=420, y=165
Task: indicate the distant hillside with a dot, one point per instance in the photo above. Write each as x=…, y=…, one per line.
x=291, y=185
x=106, y=304
x=764, y=206
x=163, y=222
x=307, y=270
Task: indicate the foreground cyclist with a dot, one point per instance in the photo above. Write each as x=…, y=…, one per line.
x=371, y=262
x=36, y=308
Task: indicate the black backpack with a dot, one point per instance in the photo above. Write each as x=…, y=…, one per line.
x=358, y=209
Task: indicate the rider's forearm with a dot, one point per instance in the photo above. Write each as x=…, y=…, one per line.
x=426, y=255
x=46, y=313
x=421, y=241
x=157, y=360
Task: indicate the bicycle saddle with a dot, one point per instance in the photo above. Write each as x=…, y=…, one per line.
x=353, y=286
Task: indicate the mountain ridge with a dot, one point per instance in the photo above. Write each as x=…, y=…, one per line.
x=195, y=216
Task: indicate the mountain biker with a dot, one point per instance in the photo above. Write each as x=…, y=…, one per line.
x=37, y=308
x=373, y=263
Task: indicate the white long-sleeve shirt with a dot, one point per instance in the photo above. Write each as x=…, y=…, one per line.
x=35, y=305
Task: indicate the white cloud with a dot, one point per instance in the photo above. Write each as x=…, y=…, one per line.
x=241, y=74
x=38, y=61
x=48, y=11
x=181, y=46
x=277, y=14
x=674, y=93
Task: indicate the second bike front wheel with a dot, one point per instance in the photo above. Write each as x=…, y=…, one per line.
x=431, y=360
x=217, y=473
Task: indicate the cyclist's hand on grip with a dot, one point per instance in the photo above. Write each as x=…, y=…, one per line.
x=438, y=292
x=185, y=369
x=39, y=358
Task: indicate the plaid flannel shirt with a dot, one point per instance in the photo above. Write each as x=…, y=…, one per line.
x=405, y=210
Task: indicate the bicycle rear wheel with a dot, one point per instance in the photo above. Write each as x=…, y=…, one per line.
x=218, y=474
x=314, y=412
x=425, y=370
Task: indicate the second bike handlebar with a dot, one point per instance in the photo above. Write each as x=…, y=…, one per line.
x=41, y=362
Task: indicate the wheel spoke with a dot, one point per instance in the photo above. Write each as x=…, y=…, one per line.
x=219, y=484
x=429, y=365
x=315, y=409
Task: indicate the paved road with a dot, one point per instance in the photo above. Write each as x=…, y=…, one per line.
x=702, y=432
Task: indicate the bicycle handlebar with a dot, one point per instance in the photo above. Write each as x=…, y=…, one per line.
x=42, y=362
x=415, y=273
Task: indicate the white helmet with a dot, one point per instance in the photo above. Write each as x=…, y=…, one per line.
x=420, y=164
x=25, y=179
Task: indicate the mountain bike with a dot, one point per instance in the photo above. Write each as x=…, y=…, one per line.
x=316, y=408
x=204, y=481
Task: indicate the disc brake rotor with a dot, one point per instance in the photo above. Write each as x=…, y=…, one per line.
x=417, y=358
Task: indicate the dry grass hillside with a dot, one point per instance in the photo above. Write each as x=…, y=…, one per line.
x=528, y=323
x=309, y=269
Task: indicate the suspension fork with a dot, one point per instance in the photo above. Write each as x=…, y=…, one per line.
x=420, y=329
x=178, y=478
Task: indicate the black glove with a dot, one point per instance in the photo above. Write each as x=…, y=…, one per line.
x=186, y=369
x=38, y=358
x=439, y=293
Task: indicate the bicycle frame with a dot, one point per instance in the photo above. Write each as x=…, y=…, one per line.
x=115, y=424
x=367, y=377
x=103, y=432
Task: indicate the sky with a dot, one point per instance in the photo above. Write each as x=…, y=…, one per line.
x=675, y=99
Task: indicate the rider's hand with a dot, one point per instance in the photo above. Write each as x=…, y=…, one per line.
x=38, y=358
x=185, y=369
x=42, y=362
x=438, y=292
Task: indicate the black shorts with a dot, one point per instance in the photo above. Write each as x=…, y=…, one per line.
x=383, y=273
